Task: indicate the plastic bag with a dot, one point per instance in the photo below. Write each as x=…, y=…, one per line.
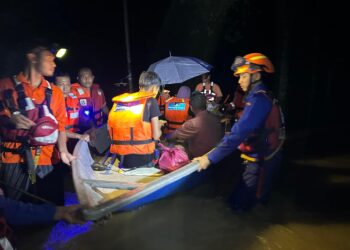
x=172, y=158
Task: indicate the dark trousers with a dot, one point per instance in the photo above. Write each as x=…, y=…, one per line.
x=50, y=188
x=255, y=183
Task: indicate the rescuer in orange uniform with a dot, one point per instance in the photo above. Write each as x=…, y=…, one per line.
x=30, y=107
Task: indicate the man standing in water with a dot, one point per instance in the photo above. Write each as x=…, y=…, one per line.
x=259, y=134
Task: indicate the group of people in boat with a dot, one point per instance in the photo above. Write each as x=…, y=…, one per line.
x=41, y=121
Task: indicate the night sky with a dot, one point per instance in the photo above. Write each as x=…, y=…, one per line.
x=305, y=41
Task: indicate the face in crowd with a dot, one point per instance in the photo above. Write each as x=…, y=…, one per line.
x=245, y=79
x=63, y=82
x=43, y=62
x=86, y=78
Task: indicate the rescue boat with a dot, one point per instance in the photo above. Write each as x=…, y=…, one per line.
x=115, y=190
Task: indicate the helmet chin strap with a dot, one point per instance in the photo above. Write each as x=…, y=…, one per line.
x=251, y=82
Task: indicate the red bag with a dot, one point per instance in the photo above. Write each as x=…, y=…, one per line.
x=45, y=132
x=172, y=158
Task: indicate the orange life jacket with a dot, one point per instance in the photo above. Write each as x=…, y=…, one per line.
x=90, y=100
x=175, y=113
x=129, y=133
x=72, y=109
x=161, y=103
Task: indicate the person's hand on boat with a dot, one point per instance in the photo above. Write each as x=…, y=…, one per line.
x=84, y=137
x=162, y=123
x=203, y=162
x=67, y=157
x=92, y=133
x=70, y=214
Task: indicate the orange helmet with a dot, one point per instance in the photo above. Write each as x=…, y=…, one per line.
x=251, y=63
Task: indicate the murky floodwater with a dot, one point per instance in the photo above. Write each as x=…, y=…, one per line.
x=303, y=214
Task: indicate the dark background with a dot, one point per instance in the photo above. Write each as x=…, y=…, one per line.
x=304, y=39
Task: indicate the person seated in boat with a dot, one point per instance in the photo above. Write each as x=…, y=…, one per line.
x=133, y=123
x=202, y=132
x=176, y=110
x=164, y=95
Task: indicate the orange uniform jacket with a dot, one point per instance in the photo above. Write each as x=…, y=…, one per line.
x=57, y=106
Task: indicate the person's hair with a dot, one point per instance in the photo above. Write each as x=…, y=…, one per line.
x=198, y=101
x=62, y=74
x=37, y=51
x=85, y=69
x=148, y=79
x=206, y=75
x=184, y=92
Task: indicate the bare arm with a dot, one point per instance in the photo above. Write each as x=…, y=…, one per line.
x=217, y=91
x=66, y=157
x=84, y=137
x=156, y=132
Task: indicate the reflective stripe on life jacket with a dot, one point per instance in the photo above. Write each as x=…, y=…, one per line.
x=72, y=110
x=176, y=113
x=129, y=133
x=209, y=94
x=92, y=99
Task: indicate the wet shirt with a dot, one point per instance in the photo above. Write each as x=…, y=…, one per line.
x=256, y=110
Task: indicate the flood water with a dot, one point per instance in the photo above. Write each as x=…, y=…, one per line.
x=309, y=209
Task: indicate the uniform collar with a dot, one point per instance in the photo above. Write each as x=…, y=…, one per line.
x=21, y=78
x=257, y=87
